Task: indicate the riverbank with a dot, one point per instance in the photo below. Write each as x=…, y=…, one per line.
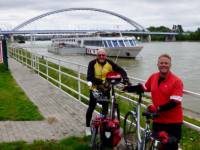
x=188, y=134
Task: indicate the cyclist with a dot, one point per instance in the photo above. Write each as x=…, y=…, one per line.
x=166, y=92
x=96, y=73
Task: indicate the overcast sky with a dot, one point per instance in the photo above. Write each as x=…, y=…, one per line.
x=145, y=12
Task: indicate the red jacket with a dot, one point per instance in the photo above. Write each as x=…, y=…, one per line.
x=170, y=88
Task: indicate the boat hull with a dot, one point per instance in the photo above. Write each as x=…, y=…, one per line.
x=128, y=52
x=67, y=50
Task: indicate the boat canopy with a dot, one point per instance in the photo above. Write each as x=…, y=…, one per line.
x=119, y=43
x=111, y=43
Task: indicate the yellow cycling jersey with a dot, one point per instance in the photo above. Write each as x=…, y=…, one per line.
x=102, y=70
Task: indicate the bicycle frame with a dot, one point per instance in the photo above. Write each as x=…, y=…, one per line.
x=141, y=138
x=113, y=104
x=138, y=127
x=99, y=123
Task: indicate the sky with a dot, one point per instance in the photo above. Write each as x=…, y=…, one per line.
x=145, y=12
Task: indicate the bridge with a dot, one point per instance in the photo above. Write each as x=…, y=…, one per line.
x=139, y=30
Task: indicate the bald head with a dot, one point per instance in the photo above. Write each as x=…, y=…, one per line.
x=101, y=51
x=101, y=55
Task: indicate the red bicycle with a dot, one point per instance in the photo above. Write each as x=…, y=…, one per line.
x=106, y=128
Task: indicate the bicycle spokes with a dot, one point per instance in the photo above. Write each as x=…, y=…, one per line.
x=130, y=135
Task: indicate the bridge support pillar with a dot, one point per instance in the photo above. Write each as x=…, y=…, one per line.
x=170, y=38
x=146, y=38
x=173, y=38
x=11, y=37
x=149, y=38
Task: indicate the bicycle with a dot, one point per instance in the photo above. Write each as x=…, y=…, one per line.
x=106, y=128
x=133, y=138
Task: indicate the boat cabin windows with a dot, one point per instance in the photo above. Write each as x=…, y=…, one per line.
x=121, y=43
x=109, y=43
x=127, y=43
x=132, y=42
x=79, y=42
x=105, y=44
x=93, y=43
x=115, y=43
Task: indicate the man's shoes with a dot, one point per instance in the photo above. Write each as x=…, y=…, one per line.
x=87, y=131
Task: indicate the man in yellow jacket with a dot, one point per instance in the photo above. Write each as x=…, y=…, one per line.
x=97, y=70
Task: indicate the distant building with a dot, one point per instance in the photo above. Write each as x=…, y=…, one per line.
x=177, y=28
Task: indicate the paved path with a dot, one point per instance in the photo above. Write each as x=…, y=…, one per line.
x=64, y=116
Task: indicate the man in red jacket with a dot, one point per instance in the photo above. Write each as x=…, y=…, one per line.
x=166, y=93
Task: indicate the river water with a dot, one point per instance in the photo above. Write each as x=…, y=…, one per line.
x=185, y=63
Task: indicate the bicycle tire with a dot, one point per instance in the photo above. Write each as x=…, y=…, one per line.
x=130, y=133
x=147, y=143
x=95, y=139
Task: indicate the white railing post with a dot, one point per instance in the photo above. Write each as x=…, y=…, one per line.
x=26, y=56
x=38, y=65
x=21, y=57
x=18, y=55
x=59, y=73
x=13, y=50
x=47, y=69
x=79, y=82
x=34, y=61
x=31, y=59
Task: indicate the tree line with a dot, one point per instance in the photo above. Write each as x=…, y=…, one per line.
x=182, y=36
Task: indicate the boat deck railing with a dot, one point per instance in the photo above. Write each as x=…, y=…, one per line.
x=35, y=61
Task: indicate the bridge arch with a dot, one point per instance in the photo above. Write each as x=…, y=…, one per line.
x=131, y=22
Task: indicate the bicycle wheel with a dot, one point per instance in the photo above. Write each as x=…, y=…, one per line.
x=147, y=143
x=95, y=139
x=130, y=135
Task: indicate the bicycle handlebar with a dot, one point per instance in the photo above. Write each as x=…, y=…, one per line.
x=150, y=115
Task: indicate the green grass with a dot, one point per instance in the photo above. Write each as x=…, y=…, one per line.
x=71, y=143
x=14, y=104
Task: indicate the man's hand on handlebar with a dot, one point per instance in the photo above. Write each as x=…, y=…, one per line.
x=152, y=108
x=126, y=82
x=134, y=88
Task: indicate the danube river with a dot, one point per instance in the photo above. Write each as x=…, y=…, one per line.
x=185, y=63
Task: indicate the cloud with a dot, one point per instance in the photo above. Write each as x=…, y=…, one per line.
x=146, y=12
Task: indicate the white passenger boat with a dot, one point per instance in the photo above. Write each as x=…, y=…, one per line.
x=126, y=47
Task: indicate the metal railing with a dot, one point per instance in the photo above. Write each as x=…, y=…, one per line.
x=35, y=61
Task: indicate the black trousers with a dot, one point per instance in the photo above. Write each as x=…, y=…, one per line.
x=173, y=130
x=92, y=105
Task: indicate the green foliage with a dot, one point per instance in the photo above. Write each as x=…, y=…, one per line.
x=190, y=139
x=190, y=36
x=14, y=104
x=159, y=29
x=71, y=143
x=195, y=36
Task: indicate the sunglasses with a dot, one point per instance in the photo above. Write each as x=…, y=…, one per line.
x=101, y=55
